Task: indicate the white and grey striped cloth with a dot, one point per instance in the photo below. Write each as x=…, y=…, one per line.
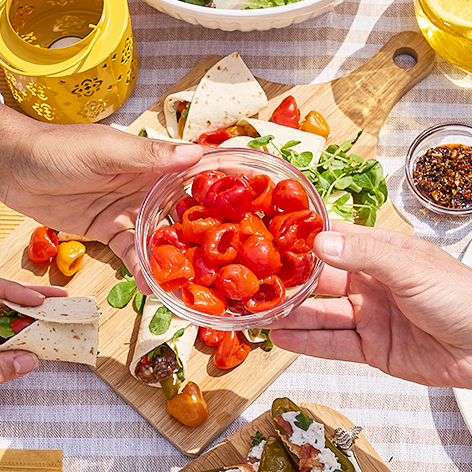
x=412, y=427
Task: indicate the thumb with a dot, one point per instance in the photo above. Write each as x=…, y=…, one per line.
x=15, y=364
x=131, y=153
x=362, y=252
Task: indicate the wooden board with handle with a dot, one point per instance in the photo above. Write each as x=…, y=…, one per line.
x=361, y=99
x=233, y=450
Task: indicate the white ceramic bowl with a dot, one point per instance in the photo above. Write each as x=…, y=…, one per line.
x=244, y=20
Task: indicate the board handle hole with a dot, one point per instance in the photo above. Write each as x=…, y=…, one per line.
x=405, y=58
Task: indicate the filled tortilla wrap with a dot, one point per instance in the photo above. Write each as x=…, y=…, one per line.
x=171, y=104
x=66, y=329
x=227, y=93
x=282, y=135
x=182, y=346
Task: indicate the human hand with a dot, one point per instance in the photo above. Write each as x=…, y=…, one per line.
x=15, y=364
x=406, y=308
x=87, y=180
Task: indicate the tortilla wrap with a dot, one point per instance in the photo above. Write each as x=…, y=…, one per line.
x=152, y=133
x=66, y=329
x=148, y=341
x=283, y=134
x=227, y=93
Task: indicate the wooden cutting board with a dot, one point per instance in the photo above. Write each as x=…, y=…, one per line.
x=361, y=99
x=233, y=450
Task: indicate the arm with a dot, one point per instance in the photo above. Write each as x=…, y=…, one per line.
x=405, y=309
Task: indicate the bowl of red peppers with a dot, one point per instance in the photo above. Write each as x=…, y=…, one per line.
x=228, y=244
x=438, y=169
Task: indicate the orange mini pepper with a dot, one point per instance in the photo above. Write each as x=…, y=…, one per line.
x=189, y=407
x=315, y=123
x=69, y=257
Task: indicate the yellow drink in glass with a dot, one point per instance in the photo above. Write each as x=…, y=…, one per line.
x=447, y=26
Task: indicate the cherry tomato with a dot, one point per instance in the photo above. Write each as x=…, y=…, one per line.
x=202, y=183
x=205, y=272
x=296, y=230
x=296, y=268
x=230, y=196
x=214, y=138
x=260, y=255
x=220, y=245
x=183, y=205
x=204, y=299
x=315, y=123
x=43, y=244
x=211, y=337
x=169, y=235
x=170, y=268
x=262, y=188
x=197, y=221
x=289, y=195
x=230, y=351
x=21, y=323
x=251, y=224
x=287, y=113
x=189, y=407
x=270, y=294
x=237, y=282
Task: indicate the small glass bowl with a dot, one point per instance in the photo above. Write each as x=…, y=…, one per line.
x=158, y=209
x=446, y=133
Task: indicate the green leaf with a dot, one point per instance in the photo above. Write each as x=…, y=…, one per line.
x=180, y=374
x=143, y=132
x=290, y=144
x=6, y=331
x=161, y=320
x=121, y=294
x=187, y=107
x=155, y=352
x=303, y=422
x=139, y=301
x=257, y=439
x=126, y=273
x=178, y=334
x=260, y=141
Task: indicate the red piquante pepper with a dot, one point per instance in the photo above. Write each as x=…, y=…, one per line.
x=260, y=255
x=171, y=268
x=183, y=205
x=205, y=272
x=230, y=351
x=220, y=245
x=289, y=195
x=287, y=113
x=262, y=188
x=270, y=294
x=169, y=235
x=231, y=197
x=43, y=244
x=202, y=183
x=296, y=268
x=214, y=138
x=237, y=282
x=204, y=299
x=197, y=221
x=296, y=230
x=21, y=323
x=211, y=337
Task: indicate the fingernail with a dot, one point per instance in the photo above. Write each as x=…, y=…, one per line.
x=25, y=363
x=188, y=150
x=333, y=244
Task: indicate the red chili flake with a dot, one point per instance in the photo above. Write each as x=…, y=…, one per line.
x=444, y=175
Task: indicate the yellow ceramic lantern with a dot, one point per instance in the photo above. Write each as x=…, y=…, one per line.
x=68, y=61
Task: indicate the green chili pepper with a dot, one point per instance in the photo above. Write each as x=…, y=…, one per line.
x=283, y=405
x=274, y=457
x=170, y=387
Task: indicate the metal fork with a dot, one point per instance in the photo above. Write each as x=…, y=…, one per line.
x=344, y=440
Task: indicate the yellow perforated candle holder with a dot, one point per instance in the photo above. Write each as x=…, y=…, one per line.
x=68, y=61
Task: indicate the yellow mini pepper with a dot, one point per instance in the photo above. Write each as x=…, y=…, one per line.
x=69, y=257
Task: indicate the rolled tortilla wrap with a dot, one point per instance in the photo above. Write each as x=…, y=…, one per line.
x=227, y=93
x=147, y=341
x=66, y=329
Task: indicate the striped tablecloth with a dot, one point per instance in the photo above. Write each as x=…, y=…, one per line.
x=412, y=427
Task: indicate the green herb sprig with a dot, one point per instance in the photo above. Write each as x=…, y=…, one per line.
x=303, y=422
x=338, y=171
x=257, y=439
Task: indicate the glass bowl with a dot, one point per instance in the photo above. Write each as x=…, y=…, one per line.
x=158, y=209
x=439, y=135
